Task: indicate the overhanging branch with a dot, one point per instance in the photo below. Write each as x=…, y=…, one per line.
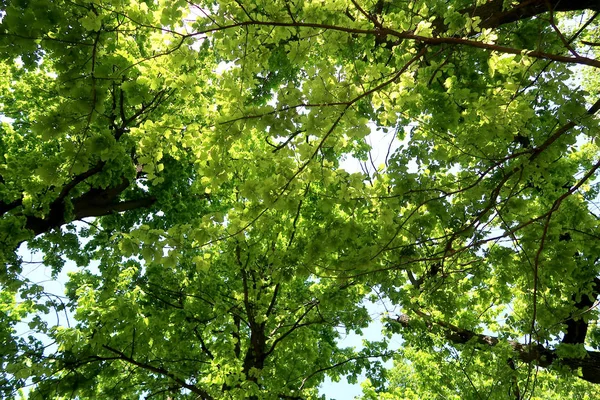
x=535, y=353
x=493, y=14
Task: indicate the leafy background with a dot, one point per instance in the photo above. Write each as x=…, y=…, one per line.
x=222, y=245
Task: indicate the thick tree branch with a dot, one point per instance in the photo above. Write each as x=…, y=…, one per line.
x=95, y=203
x=576, y=325
x=4, y=207
x=409, y=35
x=98, y=210
x=537, y=354
x=493, y=15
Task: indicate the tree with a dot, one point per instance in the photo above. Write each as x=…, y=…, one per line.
x=200, y=143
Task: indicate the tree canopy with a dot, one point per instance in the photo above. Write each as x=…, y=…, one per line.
x=190, y=159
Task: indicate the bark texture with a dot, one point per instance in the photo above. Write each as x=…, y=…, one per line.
x=492, y=15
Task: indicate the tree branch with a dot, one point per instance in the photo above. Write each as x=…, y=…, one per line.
x=192, y=388
x=576, y=325
x=408, y=35
x=538, y=354
x=493, y=14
